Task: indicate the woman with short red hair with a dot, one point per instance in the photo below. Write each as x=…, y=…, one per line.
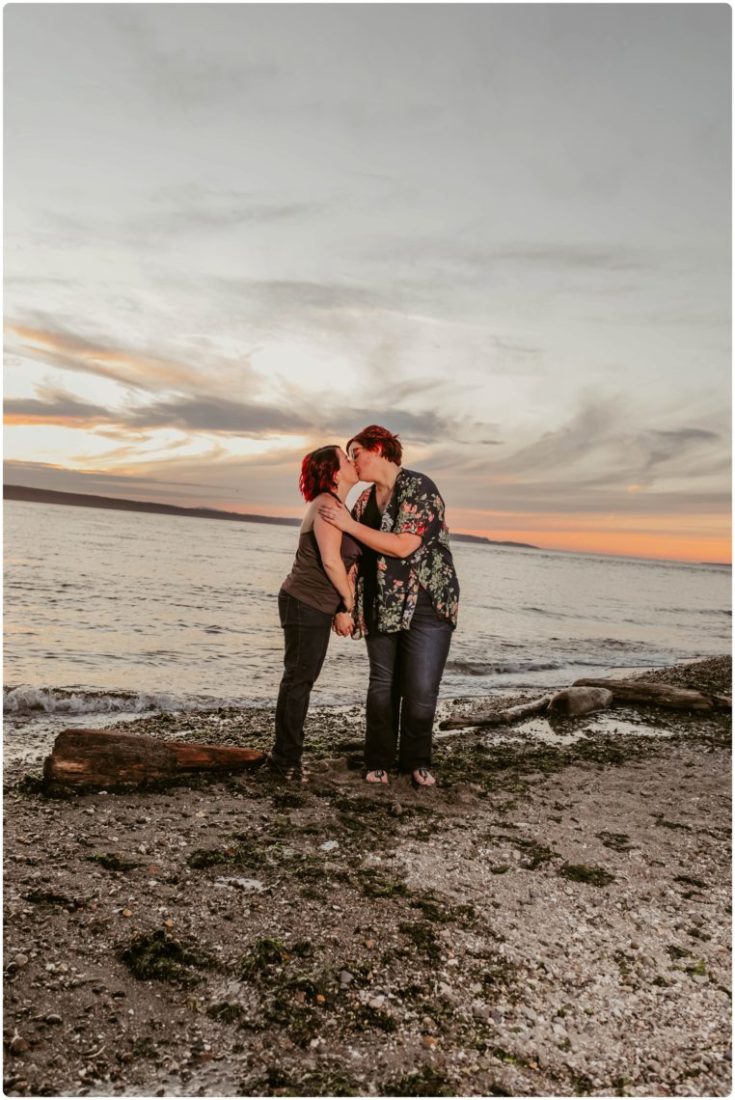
x=318, y=591
x=406, y=605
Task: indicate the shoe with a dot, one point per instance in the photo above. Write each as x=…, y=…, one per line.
x=290, y=773
x=379, y=776
x=422, y=777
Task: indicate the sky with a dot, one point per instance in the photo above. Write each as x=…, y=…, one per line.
x=234, y=233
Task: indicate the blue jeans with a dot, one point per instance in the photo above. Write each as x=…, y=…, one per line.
x=405, y=672
x=306, y=635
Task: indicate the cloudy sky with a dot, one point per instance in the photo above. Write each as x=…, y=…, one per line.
x=235, y=232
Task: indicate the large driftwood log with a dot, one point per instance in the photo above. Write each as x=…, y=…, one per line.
x=85, y=759
x=659, y=695
x=500, y=718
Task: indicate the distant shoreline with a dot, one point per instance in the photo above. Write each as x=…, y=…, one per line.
x=120, y=504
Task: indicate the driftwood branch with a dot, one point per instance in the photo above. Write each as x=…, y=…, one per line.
x=500, y=718
x=87, y=759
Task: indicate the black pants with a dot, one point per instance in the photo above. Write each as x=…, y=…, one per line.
x=306, y=634
x=405, y=672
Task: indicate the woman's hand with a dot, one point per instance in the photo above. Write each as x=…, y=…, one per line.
x=336, y=514
x=342, y=624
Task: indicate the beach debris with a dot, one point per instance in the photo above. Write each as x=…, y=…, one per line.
x=575, y=701
x=500, y=717
x=588, y=695
x=659, y=695
x=86, y=759
x=249, y=885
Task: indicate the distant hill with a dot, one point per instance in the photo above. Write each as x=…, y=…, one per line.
x=87, y=500
x=492, y=542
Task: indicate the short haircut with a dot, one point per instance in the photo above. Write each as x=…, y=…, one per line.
x=375, y=438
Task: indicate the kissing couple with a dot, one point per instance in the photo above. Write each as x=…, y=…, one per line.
x=383, y=572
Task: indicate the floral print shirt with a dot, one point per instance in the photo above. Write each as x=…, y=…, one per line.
x=415, y=508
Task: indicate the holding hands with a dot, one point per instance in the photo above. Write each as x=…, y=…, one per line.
x=342, y=624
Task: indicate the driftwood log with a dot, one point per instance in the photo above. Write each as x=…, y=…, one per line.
x=588, y=695
x=659, y=695
x=84, y=759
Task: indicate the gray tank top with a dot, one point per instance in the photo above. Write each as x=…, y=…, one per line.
x=308, y=580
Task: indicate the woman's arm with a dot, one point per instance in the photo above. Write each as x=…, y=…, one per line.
x=329, y=541
x=384, y=542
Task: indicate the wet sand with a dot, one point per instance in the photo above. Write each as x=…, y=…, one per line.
x=553, y=919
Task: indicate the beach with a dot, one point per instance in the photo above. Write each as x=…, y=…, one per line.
x=552, y=919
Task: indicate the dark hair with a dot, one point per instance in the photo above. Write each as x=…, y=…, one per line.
x=375, y=438
x=318, y=471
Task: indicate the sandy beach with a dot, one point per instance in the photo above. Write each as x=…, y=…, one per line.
x=553, y=919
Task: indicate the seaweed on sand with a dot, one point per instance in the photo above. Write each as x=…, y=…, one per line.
x=155, y=956
x=581, y=872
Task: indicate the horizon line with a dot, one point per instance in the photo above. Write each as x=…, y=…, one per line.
x=203, y=512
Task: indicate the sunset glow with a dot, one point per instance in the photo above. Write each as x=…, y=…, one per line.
x=543, y=315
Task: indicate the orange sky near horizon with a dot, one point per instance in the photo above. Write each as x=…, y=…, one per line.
x=622, y=544
x=582, y=535
x=686, y=538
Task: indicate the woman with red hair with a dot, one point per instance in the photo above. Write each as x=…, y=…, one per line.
x=318, y=592
x=406, y=605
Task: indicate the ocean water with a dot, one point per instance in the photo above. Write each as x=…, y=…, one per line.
x=119, y=613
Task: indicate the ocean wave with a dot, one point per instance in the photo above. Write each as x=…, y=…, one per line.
x=480, y=668
x=27, y=700
x=695, y=611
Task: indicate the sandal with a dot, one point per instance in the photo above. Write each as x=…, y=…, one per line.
x=379, y=776
x=422, y=777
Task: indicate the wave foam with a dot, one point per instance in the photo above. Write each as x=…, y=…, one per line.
x=479, y=668
x=27, y=700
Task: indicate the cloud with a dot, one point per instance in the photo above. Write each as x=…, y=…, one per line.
x=418, y=427
x=306, y=294
x=59, y=408
x=45, y=475
x=56, y=346
x=177, y=212
x=667, y=445
x=588, y=464
x=561, y=254
x=219, y=416
x=300, y=412
x=184, y=80
x=208, y=415
x=601, y=445
x=553, y=255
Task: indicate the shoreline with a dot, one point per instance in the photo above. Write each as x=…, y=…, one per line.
x=552, y=919
x=29, y=733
